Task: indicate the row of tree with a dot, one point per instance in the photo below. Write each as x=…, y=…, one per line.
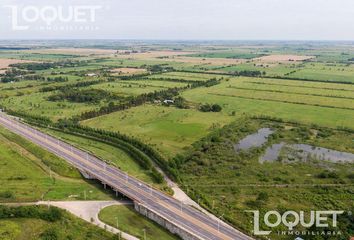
x=139, y=151
x=131, y=102
x=70, y=86
x=57, y=79
x=35, y=66
x=81, y=96
x=162, y=95
x=12, y=75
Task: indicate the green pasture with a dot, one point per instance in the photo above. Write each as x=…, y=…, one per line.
x=124, y=88
x=186, y=76
x=131, y=222
x=69, y=227
x=29, y=173
x=167, y=129
x=38, y=104
x=287, y=106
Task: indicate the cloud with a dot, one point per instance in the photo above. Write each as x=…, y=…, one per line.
x=207, y=19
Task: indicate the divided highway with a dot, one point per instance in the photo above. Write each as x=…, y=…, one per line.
x=183, y=216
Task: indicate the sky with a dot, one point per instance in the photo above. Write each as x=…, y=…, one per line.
x=178, y=19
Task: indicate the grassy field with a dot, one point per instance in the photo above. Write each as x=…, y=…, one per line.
x=297, y=87
x=26, y=174
x=128, y=88
x=332, y=72
x=28, y=87
x=168, y=129
x=271, y=69
x=37, y=103
x=156, y=83
x=327, y=111
x=185, y=76
x=131, y=222
x=68, y=227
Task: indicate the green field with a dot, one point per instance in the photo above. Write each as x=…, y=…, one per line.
x=273, y=69
x=327, y=72
x=185, y=76
x=168, y=129
x=37, y=103
x=131, y=222
x=68, y=227
x=326, y=111
x=128, y=88
x=26, y=174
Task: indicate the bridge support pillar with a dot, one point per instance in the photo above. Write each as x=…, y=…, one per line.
x=173, y=228
x=86, y=175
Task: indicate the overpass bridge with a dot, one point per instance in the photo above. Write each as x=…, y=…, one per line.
x=172, y=214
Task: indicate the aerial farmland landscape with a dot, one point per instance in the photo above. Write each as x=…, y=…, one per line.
x=157, y=136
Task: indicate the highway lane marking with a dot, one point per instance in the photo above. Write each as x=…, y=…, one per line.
x=39, y=138
x=45, y=141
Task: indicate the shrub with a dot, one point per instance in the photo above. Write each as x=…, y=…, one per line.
x=50, y=234
x=328, y=174
x=210, y=108
x=7, y=195
x=263, y=196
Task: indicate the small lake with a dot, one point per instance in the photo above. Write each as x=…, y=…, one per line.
x=254, y=140
x=304, y=152
x=272, y=153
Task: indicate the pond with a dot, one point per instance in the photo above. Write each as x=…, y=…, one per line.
x=254, y=140
x=272, y=153
x=304, y=152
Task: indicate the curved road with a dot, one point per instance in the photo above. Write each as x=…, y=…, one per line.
x=185, y=217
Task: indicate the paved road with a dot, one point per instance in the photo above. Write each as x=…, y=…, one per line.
x=172, y=210
x=88, y=211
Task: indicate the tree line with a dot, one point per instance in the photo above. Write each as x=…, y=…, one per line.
x=170, y=93
x=68, y=86
x=131, y=102
x=139, y=151
x=81, y=96
x=246, y=73
x=35, y=66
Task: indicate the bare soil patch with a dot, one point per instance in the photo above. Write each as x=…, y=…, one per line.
x=5, y=63
x=129, y=71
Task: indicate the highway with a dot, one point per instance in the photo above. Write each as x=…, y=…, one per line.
x=185, y=217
